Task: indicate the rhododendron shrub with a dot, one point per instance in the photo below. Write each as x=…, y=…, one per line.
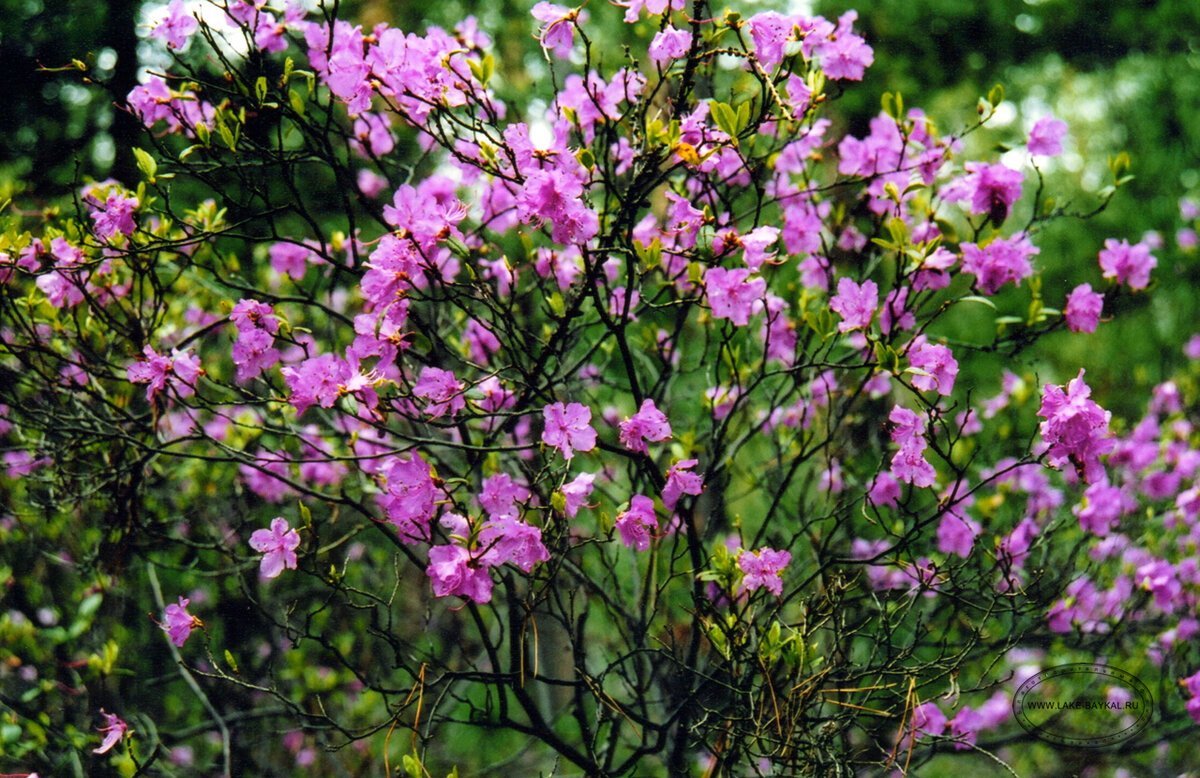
x=625, y=430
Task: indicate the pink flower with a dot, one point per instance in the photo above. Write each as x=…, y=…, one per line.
x=178, y=26
x=885, y=491
x=649, y=423
x=1102, y=508
x=927, y=719
x=178, y=623
x=576, y=492
x=1003, y=261
x=732, y=294
x=113, y=730
x=410, y=496
x=761, y=569
x=993, y=188
x=292, y=259
x=908, y=464
x=509, y=540
x=855, y=303
x=659, y=7
x=637, y=522
x=254, y=350
x=1075, y=428
x=441, y=391
x=771, y=32
x=556, y=195
x=1083, y=309
x=680, y=481
x=956, y=534
x=1127, y=264
x=452, y=571
x=500, y=496
x=937, y=364
x=558, y=27
x=1193, y=709
x=157, y=371
x=1045, y=139
x=799, y=96
x=1192, y=684
x=670, y=44
x=844, y=55
x=568, y=428
x=318, y=380
x=115, y=216
x=277, y=545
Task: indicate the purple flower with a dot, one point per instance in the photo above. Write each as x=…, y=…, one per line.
x=885, y=491
x=855, y=303
x=1102, y=508
x=1003, y=261
x=761, y=569
x=771, y=32
x=292, y=259
x=937, y=364
x=908, y=464
x=177, y=27
x=927, y=719
x=114, y=216
x=157, y=371
x=558, y=27
x=576, y=492
x=178, y=623
x=1045, y=139
x=844, y=55
x=277, y=545
x=670, y=44
x=500, y=496
x=732, y=294
x=113, y=730
x=799, y=96
x=993, y=188
x=1083, y=309
x=680, y=481
x=659, y=7
x=1127, y=264
x=452, y=571
x=509, y=540
x=568, y=428
x=441, y=391
x=649, y=423
x=315, y=381
x=254, y=350
x=956, y=534
x=1075, y=428
x=410, y=496
x=637, y=522
x=555, y=195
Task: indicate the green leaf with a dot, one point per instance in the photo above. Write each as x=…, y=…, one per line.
x=90, y=605
x=297, y=102
x=145, y=162
x=743, y=117
x=996, y=94
x=726, y=119
x=974, y=298
x=260, y=89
